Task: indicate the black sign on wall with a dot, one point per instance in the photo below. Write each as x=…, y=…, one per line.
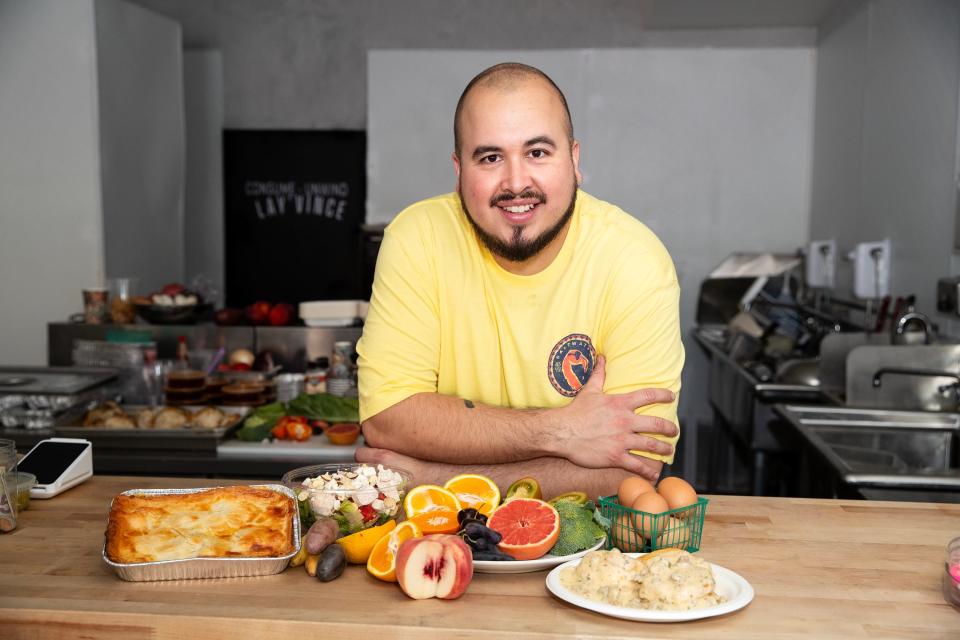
x=293, y=206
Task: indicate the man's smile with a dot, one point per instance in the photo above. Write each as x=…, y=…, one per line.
x=518, y=213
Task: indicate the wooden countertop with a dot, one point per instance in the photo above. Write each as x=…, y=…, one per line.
x=820, y=568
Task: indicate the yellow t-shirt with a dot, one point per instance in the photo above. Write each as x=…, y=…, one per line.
x=445, y=318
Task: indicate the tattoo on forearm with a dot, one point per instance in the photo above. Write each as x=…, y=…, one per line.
x=468, y=404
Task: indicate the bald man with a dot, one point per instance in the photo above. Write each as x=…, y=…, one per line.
x=519, y=326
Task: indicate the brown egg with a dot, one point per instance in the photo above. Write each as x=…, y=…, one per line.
x=623, y=534
x=651, y=504
x=630, y=488
x=674, y=533
x=677, y=492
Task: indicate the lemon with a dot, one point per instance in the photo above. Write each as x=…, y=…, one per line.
x=357, y=546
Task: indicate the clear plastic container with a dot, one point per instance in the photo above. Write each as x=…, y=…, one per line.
x=951, y=573
x=25, y=482
x=354, y=508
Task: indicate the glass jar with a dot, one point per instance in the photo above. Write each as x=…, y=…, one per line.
x=951, y=573
x=8, y=485
x=315, y=380
x=122, y=309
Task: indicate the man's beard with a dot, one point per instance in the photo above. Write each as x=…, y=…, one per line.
x=517, y=249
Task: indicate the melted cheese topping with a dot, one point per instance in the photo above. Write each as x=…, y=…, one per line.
x=672, y=581
x=228, y=522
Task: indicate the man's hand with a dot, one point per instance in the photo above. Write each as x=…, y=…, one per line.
x=599, y=430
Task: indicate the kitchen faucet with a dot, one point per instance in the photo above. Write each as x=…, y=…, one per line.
x=933, y=373
x=899, y=328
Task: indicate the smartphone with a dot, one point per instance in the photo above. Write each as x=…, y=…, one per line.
x=58, y=464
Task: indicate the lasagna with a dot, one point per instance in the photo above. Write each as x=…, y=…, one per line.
x=227, y=522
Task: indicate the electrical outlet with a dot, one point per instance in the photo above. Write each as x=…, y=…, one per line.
x=871, y=269
x=821, y=263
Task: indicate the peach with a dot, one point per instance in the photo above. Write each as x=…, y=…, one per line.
x=434, y=566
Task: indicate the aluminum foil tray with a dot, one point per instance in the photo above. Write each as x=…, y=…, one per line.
x=194, y=568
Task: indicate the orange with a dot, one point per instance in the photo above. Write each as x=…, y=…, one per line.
x=436, y=521
x=475, y=492
x=357, y=546
x=529, y=527
x=428, y=497
x=382, y=563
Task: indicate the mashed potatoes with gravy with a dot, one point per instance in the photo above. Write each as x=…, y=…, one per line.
x=671, y=580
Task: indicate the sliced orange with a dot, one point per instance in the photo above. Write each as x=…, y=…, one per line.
x=428, y=497
x=382, y=563
x=436, y=521
x=475, y=492
x=357, y=546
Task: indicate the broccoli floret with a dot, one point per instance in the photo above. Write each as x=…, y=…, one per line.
x=578, y=529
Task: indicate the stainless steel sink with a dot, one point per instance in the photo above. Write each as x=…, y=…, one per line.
x=880, y=447
x=883, y=418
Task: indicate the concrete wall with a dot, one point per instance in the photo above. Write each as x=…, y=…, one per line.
x=885, y=142
x=140, y=80
x=51, y=226
x=301, y=64
x=203, y=201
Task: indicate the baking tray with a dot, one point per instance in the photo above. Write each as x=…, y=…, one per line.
x=52, y=380
x=195, y=568
x=191, y=438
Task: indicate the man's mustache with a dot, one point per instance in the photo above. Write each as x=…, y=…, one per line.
x=527, y=194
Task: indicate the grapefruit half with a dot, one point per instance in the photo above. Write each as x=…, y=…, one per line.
x=529, y=527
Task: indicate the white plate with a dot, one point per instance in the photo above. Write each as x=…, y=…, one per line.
x=730, y=585
x=529, y=566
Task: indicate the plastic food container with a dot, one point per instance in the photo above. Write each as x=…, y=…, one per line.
x=637, y=531
x=355, y=507
x=25, y=482
x=951, y=573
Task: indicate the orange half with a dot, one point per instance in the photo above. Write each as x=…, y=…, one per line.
x=429, y=497
x=475, y=491
x=436, y=521
x=382, y=563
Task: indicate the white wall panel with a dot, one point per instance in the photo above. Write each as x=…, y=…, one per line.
x=51, y=227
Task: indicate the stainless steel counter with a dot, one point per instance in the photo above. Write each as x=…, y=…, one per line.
x=742, y=407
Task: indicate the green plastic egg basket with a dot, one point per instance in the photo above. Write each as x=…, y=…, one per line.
x=637, y=531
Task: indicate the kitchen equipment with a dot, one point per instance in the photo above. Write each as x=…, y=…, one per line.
x=903, y=390
x=35, y=397
x=58, y=464
x=187, y=438
x=948, y=295
x=801, y=371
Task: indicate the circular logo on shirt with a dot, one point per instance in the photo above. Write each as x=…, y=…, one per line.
x=571, y=363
